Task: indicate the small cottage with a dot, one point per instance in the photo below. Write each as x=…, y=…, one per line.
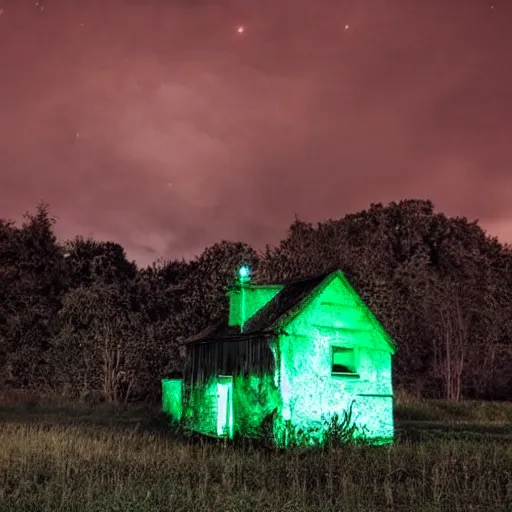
x=287, y=356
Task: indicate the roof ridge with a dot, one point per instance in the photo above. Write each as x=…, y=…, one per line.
x=293, y=293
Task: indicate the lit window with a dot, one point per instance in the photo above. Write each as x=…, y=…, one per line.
x=343, y=361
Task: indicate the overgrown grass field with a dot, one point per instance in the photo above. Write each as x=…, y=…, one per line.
x=454, y=457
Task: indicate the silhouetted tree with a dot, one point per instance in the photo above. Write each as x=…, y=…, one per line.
x=432, y=281
x=88, y=261
x=99, y=341
x=79, y=318
x=32, y=287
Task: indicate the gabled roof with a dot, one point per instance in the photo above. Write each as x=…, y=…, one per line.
x=265, y=320
x=218, y=330
x=290, y=297
x=286, y=304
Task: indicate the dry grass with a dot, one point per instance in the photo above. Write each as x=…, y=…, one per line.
x=75, y=458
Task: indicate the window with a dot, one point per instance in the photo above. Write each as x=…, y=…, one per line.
x=343, y=361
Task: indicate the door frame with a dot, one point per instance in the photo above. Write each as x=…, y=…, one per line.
x=225, y=423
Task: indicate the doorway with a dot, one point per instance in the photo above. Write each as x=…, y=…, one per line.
x=225, y=407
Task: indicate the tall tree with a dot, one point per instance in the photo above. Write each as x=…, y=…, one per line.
x=32, y=289
x=99, y=341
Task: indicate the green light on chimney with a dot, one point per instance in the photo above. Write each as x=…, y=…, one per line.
x=244, y=273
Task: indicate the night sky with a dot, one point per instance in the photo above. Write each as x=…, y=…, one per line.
x=168, y=125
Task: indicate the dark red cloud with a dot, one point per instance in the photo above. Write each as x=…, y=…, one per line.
x=156, y=124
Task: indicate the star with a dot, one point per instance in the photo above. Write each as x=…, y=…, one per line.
x=240, y=29
x=347, y=27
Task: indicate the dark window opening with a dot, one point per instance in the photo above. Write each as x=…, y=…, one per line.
x=343, y=361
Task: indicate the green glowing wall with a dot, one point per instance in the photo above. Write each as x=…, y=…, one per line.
x=172, y=398
x=252, y=399
x=255, y=400
x=309, y=389
x=254, y=298
x=200, y=413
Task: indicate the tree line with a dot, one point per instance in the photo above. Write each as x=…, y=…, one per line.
x=78, y=319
